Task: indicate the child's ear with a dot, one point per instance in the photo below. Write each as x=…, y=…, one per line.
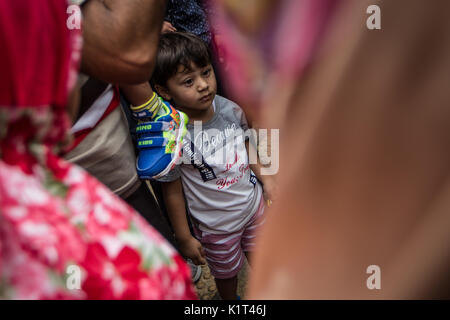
x=163, y=92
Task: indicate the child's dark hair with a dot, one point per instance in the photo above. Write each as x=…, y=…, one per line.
x=175, y=49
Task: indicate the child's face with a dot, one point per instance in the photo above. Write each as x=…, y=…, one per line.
x=192, y=89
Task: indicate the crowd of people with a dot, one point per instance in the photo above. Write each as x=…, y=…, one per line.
x=125, y=153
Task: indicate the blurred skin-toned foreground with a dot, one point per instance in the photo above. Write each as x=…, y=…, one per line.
x=364, y=119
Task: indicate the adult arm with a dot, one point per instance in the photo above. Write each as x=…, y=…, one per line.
x=121, y=39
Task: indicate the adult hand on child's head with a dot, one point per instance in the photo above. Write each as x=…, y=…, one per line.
x=191, y=248
x=167, y=27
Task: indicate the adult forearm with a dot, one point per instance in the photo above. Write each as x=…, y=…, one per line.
x=138, y=21
x=121, y=39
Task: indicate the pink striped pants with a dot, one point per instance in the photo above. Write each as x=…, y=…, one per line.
x=225, y=252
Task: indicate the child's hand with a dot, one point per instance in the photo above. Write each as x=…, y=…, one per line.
x=191, y=248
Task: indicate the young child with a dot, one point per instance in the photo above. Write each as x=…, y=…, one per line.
x=224, y=198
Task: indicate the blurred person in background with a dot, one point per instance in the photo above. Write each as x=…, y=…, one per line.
x=364, y=119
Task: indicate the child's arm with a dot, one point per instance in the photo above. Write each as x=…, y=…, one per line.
x=174, y=200
x=137, y=94
x=142, y=97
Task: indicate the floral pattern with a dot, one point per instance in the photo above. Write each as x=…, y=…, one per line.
x=54, y=215
x=120, y=256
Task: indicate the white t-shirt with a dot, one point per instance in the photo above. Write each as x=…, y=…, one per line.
x=222, y=192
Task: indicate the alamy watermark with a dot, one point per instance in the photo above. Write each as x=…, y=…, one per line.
x=374, y=280
x=227, y=147
x=74, y=19
x=73, y=281
x=373, y=22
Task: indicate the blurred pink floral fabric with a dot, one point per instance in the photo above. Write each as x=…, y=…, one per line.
x=54, y=215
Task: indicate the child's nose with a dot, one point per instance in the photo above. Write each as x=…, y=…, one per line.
x=202, y=84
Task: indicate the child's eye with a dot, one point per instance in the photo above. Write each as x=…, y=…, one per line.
x=207, y=72
x=188, y=82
